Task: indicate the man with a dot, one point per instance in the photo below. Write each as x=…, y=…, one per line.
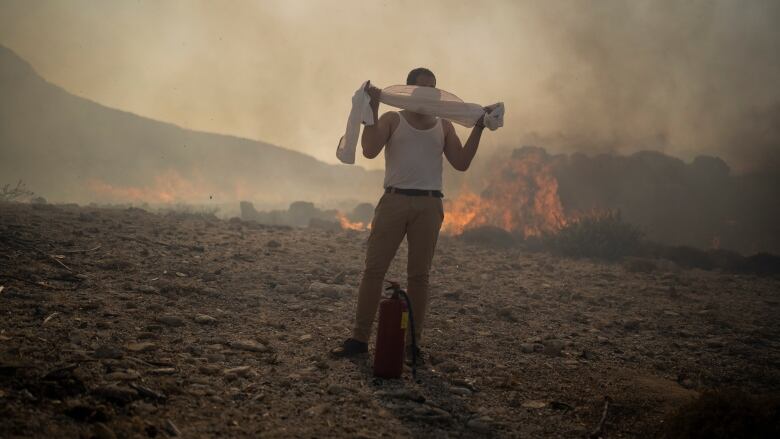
x=411, y=206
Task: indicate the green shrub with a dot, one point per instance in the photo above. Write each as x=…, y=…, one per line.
x=604, y=236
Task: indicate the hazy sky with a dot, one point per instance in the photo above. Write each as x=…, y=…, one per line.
x=684, y=77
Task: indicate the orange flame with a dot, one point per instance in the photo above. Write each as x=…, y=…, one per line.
x=521, y=197
x=167, y=187
x=346, y=224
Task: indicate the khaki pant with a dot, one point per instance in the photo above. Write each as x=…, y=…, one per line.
x=418, y=218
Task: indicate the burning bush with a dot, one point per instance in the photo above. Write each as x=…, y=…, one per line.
x=604, y=236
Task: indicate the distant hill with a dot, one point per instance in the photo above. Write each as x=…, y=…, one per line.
x=68, y=148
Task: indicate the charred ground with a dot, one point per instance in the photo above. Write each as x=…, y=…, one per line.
x=119, y=322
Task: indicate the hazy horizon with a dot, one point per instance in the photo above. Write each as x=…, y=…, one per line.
x=684, y=79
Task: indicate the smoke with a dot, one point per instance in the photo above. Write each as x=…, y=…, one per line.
x=685, y=78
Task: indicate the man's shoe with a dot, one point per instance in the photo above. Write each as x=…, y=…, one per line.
x=349, y=348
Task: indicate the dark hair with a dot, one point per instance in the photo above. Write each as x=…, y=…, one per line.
x=412, y=78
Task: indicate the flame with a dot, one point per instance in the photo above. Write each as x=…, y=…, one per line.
x=521, y=197
x=346, y=224
x=167, y=187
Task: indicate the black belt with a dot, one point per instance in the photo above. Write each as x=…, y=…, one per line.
x=414, y=192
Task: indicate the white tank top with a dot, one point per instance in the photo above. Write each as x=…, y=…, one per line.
x=413, y=158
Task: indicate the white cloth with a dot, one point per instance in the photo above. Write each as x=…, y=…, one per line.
x=426, y=100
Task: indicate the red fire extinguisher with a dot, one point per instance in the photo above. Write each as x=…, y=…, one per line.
x=395, y=315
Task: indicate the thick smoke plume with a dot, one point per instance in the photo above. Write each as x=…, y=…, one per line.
x=686, y=78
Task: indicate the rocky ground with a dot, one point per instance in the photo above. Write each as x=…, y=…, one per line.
x=123, y=323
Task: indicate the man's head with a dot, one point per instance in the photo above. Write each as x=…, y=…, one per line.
x=422, y=77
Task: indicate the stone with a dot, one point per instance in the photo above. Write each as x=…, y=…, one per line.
x=142, y=347
x=553, y=347
x=116, y=393
x=408, y=394
x=328, y=290
x=148, y=289
x=430, y=413
x=102, y=431
x=273, y=244
x=209, y=369
x=127, y=375
x=205, y=319
x=239, y=371
x=481, y=424
x=340, y=278
x=249, y=345
x=534, y=404
x=462, y=391
x=109, y=352
x=169, y=320
x=527, y=348
x=305, y=338
x=171, y=428
x=318, y=410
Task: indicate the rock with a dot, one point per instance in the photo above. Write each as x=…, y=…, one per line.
x=239, y=371
x=462, y=391
x=205, y=319
x=527, y=348
x=146, y=346
x=249, y=345
x=430, y=413
x=632, y=325
x=171, y=428
x=163, y=371
x=116, y=393
x=128, y=375
x=330, y=291
x=147, y=392
x=408, y=394
x=448, y=366
x=340, y=278
x=553, y=347
x=82, y=412
x=534, y=404
x=209, y=369
x=109, y=352
x=273, y=244
x=148, y=289
x=481, y=424
x=170, y=320
x=305, y=338
x=318, y=410
x=102, y=431
x=336, y=389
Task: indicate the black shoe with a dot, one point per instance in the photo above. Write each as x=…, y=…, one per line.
x=349, y=348
x=419, y=358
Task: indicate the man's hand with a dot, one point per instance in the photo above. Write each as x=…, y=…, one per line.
x=373, y=92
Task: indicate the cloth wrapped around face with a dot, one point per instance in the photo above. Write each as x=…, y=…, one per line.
x=425, y=100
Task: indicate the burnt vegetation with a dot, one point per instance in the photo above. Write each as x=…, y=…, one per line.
x=604, y=236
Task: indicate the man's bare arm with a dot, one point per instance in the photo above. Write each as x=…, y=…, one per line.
x=459, y=156
x=375, y=137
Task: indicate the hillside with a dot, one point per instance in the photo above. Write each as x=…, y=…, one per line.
x=68, y=148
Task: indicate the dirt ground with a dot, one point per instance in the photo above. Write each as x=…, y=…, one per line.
x=123, y=323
